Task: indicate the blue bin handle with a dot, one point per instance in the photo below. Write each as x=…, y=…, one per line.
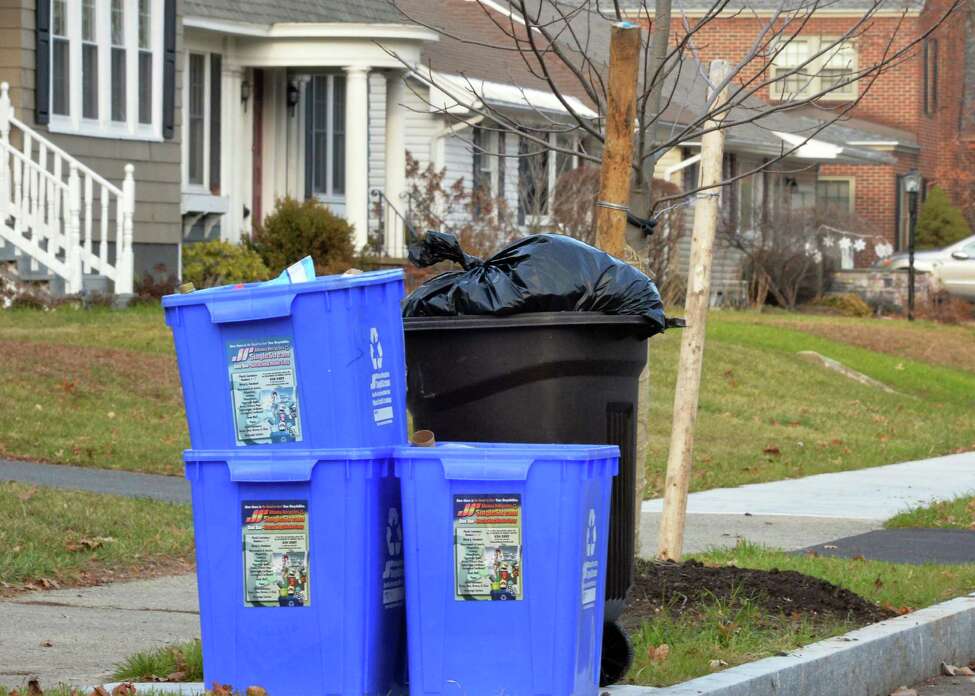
x=487, y=469
x=270, y=471
x=250, y=308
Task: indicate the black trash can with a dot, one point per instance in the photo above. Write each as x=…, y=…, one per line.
x=549, y=377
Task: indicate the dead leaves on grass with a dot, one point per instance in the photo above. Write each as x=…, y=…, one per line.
x=129, y=689
x=658, y=653
x=952, y=671
x=87, y=544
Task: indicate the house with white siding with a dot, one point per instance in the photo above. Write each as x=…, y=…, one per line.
x=129, y=128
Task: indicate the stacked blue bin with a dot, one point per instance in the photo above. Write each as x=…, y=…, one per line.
x=294, y=395
x=505, y=566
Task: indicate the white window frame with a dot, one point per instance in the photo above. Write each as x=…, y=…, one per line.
x=103, y=126
x=849, y=180
x=812, y=69
x=204, y=186
x=331, y=198
x=552, y=178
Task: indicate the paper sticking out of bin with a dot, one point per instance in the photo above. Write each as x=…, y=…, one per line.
x=307, y=364
x=505, y=566
x=300, y=569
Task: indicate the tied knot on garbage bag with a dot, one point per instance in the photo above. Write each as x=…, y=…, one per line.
x=539, y=273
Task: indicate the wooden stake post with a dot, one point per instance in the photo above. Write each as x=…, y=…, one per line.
x=671, y=542
x=614, y=179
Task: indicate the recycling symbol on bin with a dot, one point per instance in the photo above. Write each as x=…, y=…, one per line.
x=394, y=533
x=591, y=533
x=375, y=349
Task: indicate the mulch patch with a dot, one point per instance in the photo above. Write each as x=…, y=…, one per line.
x=680, y=587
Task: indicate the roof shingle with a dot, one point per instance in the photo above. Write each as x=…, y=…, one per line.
x=267, y=12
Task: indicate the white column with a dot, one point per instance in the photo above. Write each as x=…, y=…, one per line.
x=357, y=152
x=395, y=183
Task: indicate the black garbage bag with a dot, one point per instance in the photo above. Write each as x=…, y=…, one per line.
x=540, y=273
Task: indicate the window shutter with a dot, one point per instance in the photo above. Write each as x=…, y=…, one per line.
x=169, y=70
x=216, y=70
x=42, y=93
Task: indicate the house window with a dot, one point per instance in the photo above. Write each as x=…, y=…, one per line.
x=145, y=61
x=60, y=59
x=196, y=118
x=118, y=60
x=96, y=90
x=481, y=158
x=89, y=60
x=325, y=117
x=930, y=82
x=539, y=169
x=835, y=194
x=808, y=66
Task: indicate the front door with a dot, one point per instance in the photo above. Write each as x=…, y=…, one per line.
x=325, y=140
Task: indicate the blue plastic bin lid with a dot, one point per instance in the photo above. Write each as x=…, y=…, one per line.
x=483, y=461
x=282, y=465
x=254, y=301
x=227, y=293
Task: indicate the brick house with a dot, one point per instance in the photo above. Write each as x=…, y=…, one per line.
x=918, y=111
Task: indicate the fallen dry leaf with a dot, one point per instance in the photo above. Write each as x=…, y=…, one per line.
x=952, y=671
x=717, y=664
x=99, y=691
x=124, y=689
x=903, y=691
x=47, y=644
x=222, y=689
x=773, y=450
x=27, y=494
x=48, y=584
x=87, y=544
x=34, y=688
x=658, y=653
x=177, y=676
x=256, y=691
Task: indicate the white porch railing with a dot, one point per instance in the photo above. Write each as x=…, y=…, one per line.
x=60, y=213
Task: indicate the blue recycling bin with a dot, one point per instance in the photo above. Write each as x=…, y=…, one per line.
x=505, y=566
x=299, y=569
x=310, y=365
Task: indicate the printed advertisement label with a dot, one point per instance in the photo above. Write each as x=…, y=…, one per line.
x=275, y=536
x=487, y=547
x=264, y=391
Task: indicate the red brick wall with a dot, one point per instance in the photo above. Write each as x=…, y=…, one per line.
x=945, y=158
x=892, y=98
x=875, y=196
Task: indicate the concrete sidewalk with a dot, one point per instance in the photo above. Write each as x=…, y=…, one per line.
x=127, y=483
x=90, y=630
x=797, y=513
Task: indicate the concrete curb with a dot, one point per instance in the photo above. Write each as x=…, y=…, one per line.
x=871, y=661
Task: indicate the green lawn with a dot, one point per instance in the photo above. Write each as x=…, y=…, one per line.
x=52, y=537
x=100, y=388
x=738, y=632
x=957, y=514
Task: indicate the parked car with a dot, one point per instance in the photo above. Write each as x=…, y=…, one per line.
x=953, y=266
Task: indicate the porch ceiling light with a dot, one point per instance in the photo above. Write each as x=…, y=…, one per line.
x=245, y=92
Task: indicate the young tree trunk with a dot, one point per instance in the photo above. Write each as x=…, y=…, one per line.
x=614, y=182
x=671, y=542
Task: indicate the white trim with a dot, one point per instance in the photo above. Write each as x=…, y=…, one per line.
x=104, y=127
x=304, y=30
x=752, y=13
x=810, y=148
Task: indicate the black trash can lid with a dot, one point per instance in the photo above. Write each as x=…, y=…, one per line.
x=466, y=322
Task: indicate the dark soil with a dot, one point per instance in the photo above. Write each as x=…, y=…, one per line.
x=680, y=587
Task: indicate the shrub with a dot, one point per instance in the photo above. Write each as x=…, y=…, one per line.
x=939, y=222
x=945, y=309
x=217, y=262
x=298, y=229
x=153, y=286
x=847, y=304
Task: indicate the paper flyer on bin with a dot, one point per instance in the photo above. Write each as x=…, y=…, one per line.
x=487, y=547
x=275, y=541
x=264, y=391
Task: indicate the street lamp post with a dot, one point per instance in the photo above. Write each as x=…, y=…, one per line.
x=912, y=186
